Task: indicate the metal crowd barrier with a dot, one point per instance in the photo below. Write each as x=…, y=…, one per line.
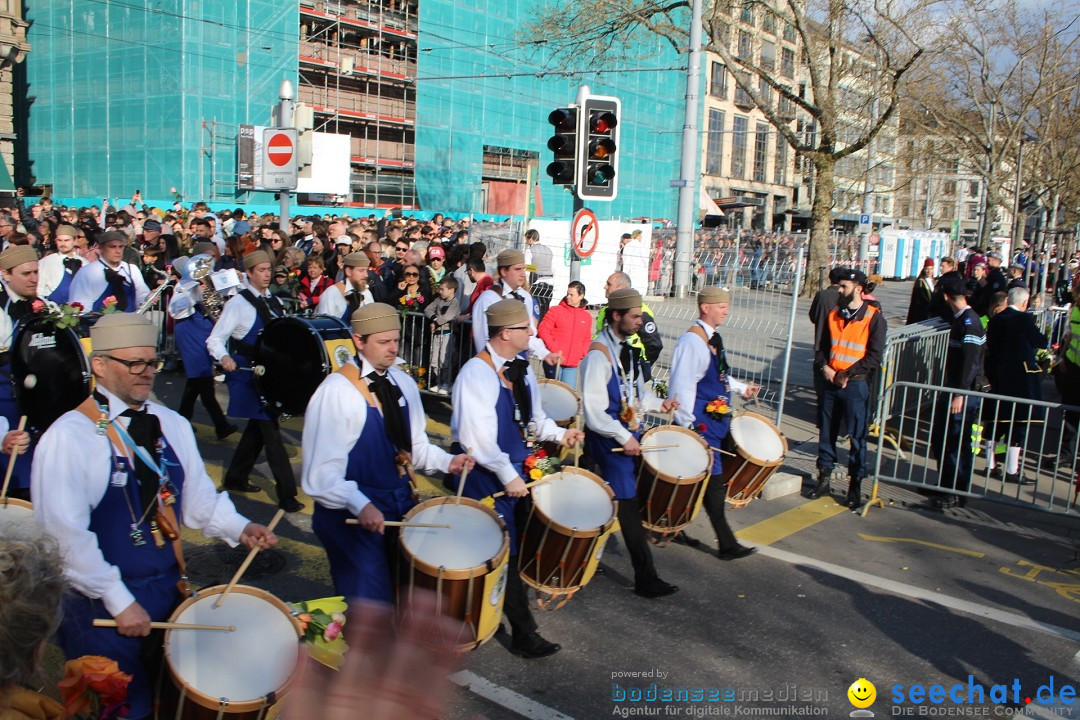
x=417, y=343
x=968, y=453
x=1053, y=322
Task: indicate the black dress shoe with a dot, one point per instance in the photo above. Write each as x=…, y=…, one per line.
x=997, y=473
x=656, y=589
x=739, y=551
x=532, y=646
x=225, y=431
x=683, y=539
x=1019, y=478
x=244, y=487
x=291, y=505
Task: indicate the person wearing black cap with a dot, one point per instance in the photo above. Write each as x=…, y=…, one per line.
x=850, y=350
x=995, y=277
x=820, y=307
x=950, y=437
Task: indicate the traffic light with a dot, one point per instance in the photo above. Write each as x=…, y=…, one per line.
x=563, y=145
x=598, y=149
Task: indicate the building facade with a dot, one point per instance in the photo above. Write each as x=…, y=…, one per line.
x=935, y=191
x=13, y=50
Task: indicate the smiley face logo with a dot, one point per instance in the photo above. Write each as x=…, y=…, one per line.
x=862, y=693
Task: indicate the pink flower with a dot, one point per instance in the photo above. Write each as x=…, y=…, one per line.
x=109, y=301
x=333, y=630
x=37, y=306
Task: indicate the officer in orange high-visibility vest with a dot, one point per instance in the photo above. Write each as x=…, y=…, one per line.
x=849, y=352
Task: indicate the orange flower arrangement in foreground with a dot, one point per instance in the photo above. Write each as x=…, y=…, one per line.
x=93, y=687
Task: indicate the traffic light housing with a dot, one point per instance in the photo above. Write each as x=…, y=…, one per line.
x=563, y=146
x=598, y=149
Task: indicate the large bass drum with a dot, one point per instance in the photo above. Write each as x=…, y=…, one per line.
x=50, y=367
x=294, y=354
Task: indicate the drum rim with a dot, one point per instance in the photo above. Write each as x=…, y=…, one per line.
x=756, y=460
x=675, y=479
x=327, y=364
x=235, y=706
x=475, y=571
x=17, y=502
x=568, y=531
x=561, y=422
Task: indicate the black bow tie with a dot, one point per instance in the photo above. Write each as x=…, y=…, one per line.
x=517, y=296
x=516, y=369
x=72, y=264
x=718, y=344
x=18, y=309
x=145, y=431
x=626, y=356
x=117, y=282
x=389, y=396
x=517, y=372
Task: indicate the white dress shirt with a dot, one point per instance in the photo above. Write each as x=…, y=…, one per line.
x=88, y=285
x=71, y=472
x=334, y=421
x=51, y=272
x=7, y=325
x=474, y=421
x=236, y=320
x=689, y=364
x=596, y=372
x=489, y=297
x=183, y=301
x=333, y=302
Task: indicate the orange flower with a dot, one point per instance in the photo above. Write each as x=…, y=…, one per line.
x=530, y=462
x=92, y=673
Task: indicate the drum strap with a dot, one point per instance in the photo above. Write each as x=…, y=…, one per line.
x=166, y=514
x=486, y=357
x=404, y=459
x=700, y=332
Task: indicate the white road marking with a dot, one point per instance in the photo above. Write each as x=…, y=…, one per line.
x=504, y=697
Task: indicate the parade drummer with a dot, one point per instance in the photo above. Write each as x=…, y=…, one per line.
x=19, y=272
x=344, y=298
x=58, y=269
x=700, y=377
x=364, y=425
x=110, y=481
x=232, y=343
x=614, y=396
x=109, y=277
x=511, y=269
x=497, y=414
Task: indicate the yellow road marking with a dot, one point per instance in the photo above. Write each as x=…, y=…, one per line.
x=437, y=428
x=791, y=521
x=927, y=543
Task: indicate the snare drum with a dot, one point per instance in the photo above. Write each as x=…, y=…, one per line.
x=297, y=353
x=465, y=565
x=672, y=481
x=234, y=674
x=559, y=401
x=760, y=449
x=17, y=518
x=50, y=367
x=572, y=513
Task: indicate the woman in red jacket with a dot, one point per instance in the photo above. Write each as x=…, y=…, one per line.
x=567, y=328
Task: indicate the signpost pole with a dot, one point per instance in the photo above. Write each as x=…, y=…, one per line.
x=284, y=120
x=575, y=261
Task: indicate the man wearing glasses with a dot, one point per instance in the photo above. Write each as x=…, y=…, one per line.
x=7, y=229
x=114, y=480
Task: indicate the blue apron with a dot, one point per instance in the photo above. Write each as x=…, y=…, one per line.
x=713, y=385
x=150, y=573
x=191, y=335
x=243, y=398
x=482, y=483
x=9, y=409
x=358, y=559
x=129, y=292
x=619, y=470
x=63, y=290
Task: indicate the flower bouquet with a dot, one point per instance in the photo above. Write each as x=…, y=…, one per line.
x=540, y=464
x=93, y=688
x=109, y=305
x=63, y=316
x=322, y=621
x=661, y=389
x=411, y=301
x=718, y=408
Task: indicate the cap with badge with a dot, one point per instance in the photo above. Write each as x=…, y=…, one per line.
x=953, y=286
x=123, y=330
x=257, y=257
x=507, y=313
x=854, y=275
x=712, y=295
x=994, y=256
x=357, y=259
x=16, y=255
x=375, y=318
x=436, y=251
x=508, y=258
x=624, y=299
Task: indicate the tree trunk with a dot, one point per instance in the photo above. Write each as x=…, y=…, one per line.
x=821, y=226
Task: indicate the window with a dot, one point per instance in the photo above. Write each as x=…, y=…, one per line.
x=765, y=91
x=972, y=211
x=949, y=188
x=785, y=108
x=742, y=98
x=905, y=210
x=787, y=63
x=780, y=168
x=947, y=212
x=718, y=85
x=973, y=188
x=747, y=15
x=715, y=146
x=761, y=148
x=745, y=46
x=881, y=204
x=768, y=56
x=789, y=32
x=768, y=23
x=738, y=148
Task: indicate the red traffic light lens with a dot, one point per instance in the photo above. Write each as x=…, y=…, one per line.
x=603, y=122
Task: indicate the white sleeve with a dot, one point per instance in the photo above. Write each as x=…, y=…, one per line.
x=425, y=456
x=87, y=286
x=594, y=396
x=737, y=386
x=230, y=317
x=331, y=302
x=479, y=321
x=546, y=428
x=688, y=366
x=50, y=273
x=537, y=347
x=182, y=304
x=333, y=423
x=474, y=422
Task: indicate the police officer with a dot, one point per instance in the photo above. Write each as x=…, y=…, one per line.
x=361, y=426
x=850, y=350
x=647, y=340
x=232, y=343
x=614, y=398
x=344, y=298
x=497, y=414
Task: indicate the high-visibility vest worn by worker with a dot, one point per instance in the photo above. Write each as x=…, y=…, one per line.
x=847, y=342
x=1072, y=353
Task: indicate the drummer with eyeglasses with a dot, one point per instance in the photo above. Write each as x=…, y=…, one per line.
x=112, y=482
x=364, y=431
x=498, y=416
x=700, y=375
x=19, y=272
x=614, y=398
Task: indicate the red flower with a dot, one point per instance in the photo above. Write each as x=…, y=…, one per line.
x=541, y=453
x=92, y=673
x=701, y=427
x=78, y=306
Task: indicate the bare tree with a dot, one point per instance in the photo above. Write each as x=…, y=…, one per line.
x=854, y=56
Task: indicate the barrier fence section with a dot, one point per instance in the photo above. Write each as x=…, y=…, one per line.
x=913, y=353
x=973, y=444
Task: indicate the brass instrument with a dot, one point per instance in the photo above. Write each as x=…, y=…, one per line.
x=199, y=269
x=152, y=297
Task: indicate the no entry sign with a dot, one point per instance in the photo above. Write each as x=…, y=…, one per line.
x=279, y=159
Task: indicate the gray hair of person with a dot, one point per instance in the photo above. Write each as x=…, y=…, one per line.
x=1018, y=296
x=31, y=590
x=620, y=280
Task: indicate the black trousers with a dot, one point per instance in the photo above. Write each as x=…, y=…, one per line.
x=257, y=435
x=203, y=389
x=637, y=542
x=714, y=502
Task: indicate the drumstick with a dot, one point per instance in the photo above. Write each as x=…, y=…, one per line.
x=259, y=370
x=464, y=474
x=103, y=623
x=647, y=447
x=581, y=443
x=534, y=483
x=11, y=463
x=720, y=450
x=401, y=523
x=247, y=561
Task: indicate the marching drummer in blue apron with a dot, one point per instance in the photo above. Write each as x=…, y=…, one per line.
x=58, y=269
x=232, y=343
x=497, y=413
x=700, y=377
x=364, y=427
x=346, y=297
x=19, y=272
x=111, y=482
x=109, y=279
x=614, y=396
